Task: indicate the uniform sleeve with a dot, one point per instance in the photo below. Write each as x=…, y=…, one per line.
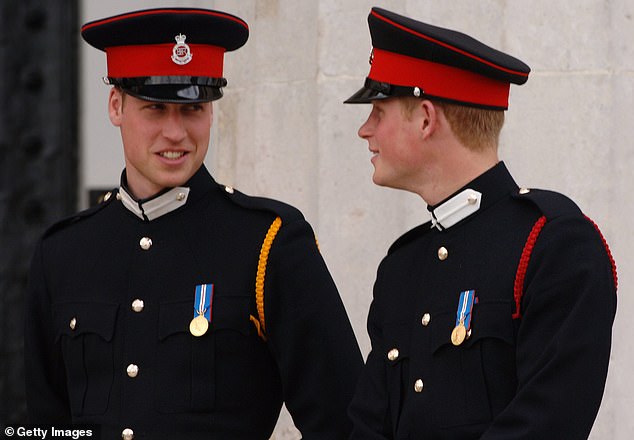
x=46, y=392
x=369, y=410
x=310, y=335
x=564, y=337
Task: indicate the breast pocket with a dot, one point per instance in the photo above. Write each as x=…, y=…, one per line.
x=187, y=369
x=467, y=374
x=85, y=331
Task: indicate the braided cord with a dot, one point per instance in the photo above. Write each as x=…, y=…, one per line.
x=609, y=252
x=261, y=273
x=520, y=275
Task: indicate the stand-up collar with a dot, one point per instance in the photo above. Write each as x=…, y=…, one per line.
x=480, y=193
x=167, y=200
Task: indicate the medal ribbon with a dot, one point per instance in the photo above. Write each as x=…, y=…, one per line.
x=204, y=300
x=465, y=305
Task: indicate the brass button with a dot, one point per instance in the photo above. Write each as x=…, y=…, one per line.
x=393, y=354
x=524, y=190
x=426, y=319
x=138, y=305
x=107, y=196
x=145, y=243
x=418, y=386
x=229, y=189
x=180, y=197
x=127, y=434
x=73, y=323
x=132, y=370
x=443, y=253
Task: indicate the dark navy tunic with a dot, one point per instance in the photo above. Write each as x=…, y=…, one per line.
x=111, y=297
x=535, y=363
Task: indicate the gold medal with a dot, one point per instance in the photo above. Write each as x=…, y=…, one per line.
x=198, y=326
x=458, y=334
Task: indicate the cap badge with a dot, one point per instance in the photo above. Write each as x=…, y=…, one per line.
x=181, y=54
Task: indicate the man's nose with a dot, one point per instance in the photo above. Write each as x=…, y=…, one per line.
x=365, y=130
x=174, y=127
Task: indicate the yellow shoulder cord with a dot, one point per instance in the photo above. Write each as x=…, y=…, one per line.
x=259, y=278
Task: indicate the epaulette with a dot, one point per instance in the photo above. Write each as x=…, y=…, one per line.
x=551, y=204
x=409, y=236
x=284, y=213
x=72, y=219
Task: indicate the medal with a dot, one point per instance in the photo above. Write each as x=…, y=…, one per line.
x=458, y=334
x=198, y=326
x=462, y=330
x=203, y=301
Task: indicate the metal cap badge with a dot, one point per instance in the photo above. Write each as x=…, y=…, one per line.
x=181, y=53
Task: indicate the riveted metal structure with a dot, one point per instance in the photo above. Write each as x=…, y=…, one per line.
x=38, y=159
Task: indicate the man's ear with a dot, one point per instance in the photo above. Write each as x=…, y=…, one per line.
x=115, y=106
x=428, y=118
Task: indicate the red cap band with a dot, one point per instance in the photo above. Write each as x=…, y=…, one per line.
x=438, y=80
x=156, y=60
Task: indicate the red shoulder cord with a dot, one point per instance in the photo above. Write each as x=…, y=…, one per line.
x=608, y=251
x=518, y=288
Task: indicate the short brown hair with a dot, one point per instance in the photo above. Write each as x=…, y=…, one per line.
x=476, y=128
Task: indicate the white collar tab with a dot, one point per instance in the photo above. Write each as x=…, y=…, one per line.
x=457, y=208
x=155, y=207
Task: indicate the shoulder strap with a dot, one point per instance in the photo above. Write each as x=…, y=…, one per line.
x=106, y=199
x=260, y=322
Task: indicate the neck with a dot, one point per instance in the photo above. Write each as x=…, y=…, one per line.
x=453, y=173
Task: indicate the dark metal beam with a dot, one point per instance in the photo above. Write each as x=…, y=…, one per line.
x=38, y=158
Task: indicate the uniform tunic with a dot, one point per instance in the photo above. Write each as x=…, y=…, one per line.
x=111, y=297
x=531, y=369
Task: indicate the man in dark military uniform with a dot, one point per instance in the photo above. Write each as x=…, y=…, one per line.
x=494, y=320
x=181, y=308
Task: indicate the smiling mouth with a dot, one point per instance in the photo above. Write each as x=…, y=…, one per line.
x=172, y=155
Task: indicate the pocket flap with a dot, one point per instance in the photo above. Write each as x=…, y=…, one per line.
x=489, y=320
x=174, y=317
x=79, y=318
x=229, y=312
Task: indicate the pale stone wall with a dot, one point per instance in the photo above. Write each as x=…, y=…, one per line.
x=282, y=131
